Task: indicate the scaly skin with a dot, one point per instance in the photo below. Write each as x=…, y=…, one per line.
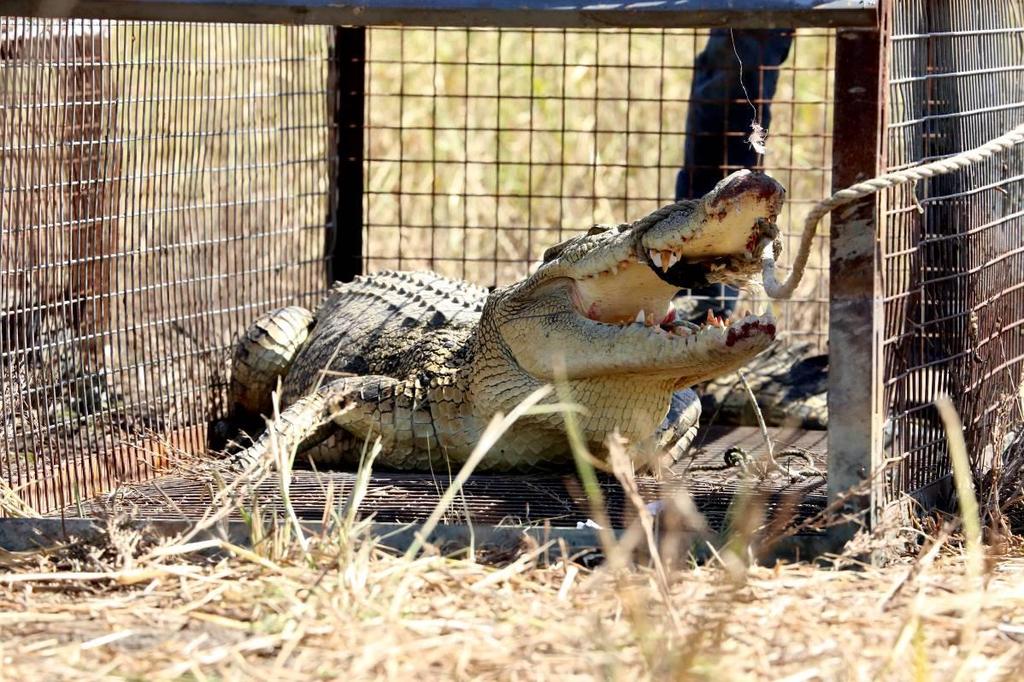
x=791, y=385
x=425, y=362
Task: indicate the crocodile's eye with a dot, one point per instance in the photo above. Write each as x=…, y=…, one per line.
x=555, y=251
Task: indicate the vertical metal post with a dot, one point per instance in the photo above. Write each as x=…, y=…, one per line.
x=344, y=248
x=855, y=310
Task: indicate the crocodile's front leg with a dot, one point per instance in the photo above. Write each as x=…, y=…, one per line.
x=363, y=406
x=678, y=431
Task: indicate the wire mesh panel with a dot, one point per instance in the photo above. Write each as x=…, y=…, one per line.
x=953, y=247
x=486, y=146
x=160, y=185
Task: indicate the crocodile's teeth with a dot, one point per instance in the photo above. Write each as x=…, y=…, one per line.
x=666, y=260
x=615, y=269
x=673, y=258
x=655, y=255
x=640, y=318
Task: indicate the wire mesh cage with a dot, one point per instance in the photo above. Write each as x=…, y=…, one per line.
x=203, y=201
x=487, y=146
x=164, y=182
x=953, y=247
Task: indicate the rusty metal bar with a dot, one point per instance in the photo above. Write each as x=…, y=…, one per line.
x=19, y=535
x=855, y=312
x=347, y=92
x=508, y=13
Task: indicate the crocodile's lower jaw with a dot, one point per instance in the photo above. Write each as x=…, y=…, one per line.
x=632, y=304
x=634, y=295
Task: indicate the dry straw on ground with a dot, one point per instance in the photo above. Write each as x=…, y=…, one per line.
x=339, y=605
x=347, y=609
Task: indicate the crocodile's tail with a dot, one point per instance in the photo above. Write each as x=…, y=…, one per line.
x=262, y=357
x=303, y=421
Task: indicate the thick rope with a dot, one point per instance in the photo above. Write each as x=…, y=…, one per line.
x=776, y=289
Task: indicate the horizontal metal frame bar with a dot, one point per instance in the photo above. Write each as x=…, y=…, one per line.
x=21, y=535
x=505, y=13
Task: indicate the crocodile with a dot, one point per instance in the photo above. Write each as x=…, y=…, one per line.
x=424, y=362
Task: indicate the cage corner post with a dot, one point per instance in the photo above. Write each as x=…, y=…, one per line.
x=343, y=251
x=855, y=391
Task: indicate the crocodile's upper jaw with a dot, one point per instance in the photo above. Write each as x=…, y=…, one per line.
x=605, y=299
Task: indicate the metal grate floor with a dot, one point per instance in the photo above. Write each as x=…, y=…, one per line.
x=513, y=500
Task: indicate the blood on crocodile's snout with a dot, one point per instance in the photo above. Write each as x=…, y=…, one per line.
x=753, y=240
x=758, y=185
x=748, y=330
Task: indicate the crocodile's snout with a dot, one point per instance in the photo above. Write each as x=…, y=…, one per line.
x=746, y=186
x=615, y=288
x=724, y=234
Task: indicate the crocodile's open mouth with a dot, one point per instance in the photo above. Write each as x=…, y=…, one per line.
x=627, y=299
x=639, y=290
x=602, y=301
x=701, y=261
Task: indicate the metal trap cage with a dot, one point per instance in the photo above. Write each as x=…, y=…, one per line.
x=170, y=170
